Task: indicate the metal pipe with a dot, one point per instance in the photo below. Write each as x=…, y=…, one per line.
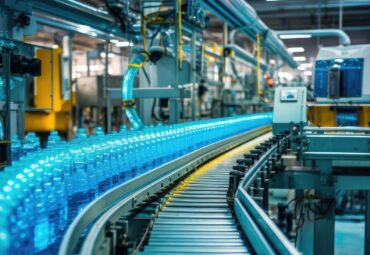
x=343, y=37
x=86, y=16
x=239, y=15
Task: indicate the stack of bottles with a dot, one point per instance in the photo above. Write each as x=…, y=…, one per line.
x=43, y=191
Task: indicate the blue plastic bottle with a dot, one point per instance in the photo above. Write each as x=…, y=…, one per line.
x=31, y=144
x=80, y=181
x=41, y=212
x=16, y=148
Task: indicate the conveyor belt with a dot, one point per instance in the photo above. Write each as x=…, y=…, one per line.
x=195, y=217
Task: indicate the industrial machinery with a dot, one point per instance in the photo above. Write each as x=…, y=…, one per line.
x=51, y=103
x=341, y=87
x=138, y=166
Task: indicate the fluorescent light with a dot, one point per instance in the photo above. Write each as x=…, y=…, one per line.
x=272, y=61
x=296, y=49
x=301, y=68
x=297, y=36
x=83, y=68
x=307, y=73
x=307, y=65
x=114, y=41
x=285, y=75
x=110, y=55
x=123, y=44
x=300, y=58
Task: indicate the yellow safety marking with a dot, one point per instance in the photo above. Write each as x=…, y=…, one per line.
x=214, y=162
x=137, y=65
x=259, y=64
x=146, y=55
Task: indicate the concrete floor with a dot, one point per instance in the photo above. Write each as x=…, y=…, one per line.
x=349, y=235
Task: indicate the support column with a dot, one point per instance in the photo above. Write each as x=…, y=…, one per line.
x=325, y=226
x=367, y=222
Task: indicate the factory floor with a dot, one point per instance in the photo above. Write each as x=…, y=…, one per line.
x=349, y=235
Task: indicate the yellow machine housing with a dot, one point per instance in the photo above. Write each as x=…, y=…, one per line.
x=50, y=111
x=326, y=115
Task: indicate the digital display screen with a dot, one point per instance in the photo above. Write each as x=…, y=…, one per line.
x=290, y=95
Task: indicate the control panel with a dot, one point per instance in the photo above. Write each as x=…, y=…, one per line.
x=289, y=108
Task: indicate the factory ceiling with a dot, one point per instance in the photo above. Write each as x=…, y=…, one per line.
x=350, y=15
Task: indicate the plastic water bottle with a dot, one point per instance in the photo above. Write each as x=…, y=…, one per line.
x=16, y=148
x=103, y=162
x=31, y=144
x=22, y=203
x=114, y=164
x=80, y=181
x=41, y=212
x=53, y=138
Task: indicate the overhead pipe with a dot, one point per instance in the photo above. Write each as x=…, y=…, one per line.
x=244, y=56
x=343, y=36
x=243, y=18
x=86, y=16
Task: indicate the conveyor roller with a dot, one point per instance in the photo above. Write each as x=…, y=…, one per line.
x=196, y=217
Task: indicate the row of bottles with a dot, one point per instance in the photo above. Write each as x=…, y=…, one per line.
x=20, y=149
x=43, y=191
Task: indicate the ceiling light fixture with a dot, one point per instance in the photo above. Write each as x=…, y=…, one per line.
x=296, y=49
x=307, y=65
x=300, y=58
x=295, y=36
x=123, y=44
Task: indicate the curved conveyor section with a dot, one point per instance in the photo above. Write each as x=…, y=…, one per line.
x=196, y=217
x=208, y=212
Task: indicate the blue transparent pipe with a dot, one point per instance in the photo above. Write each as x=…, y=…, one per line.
x=42, y=192
x=128, y=86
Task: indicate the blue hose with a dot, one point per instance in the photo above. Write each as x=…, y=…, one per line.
x=136, y=63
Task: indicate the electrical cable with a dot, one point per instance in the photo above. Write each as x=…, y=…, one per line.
x=303, y=210
x=159, y=29
x=154, y=115
x=117, y=14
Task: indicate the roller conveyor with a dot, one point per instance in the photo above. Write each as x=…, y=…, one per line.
x=184, y=207
x=196, y=217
